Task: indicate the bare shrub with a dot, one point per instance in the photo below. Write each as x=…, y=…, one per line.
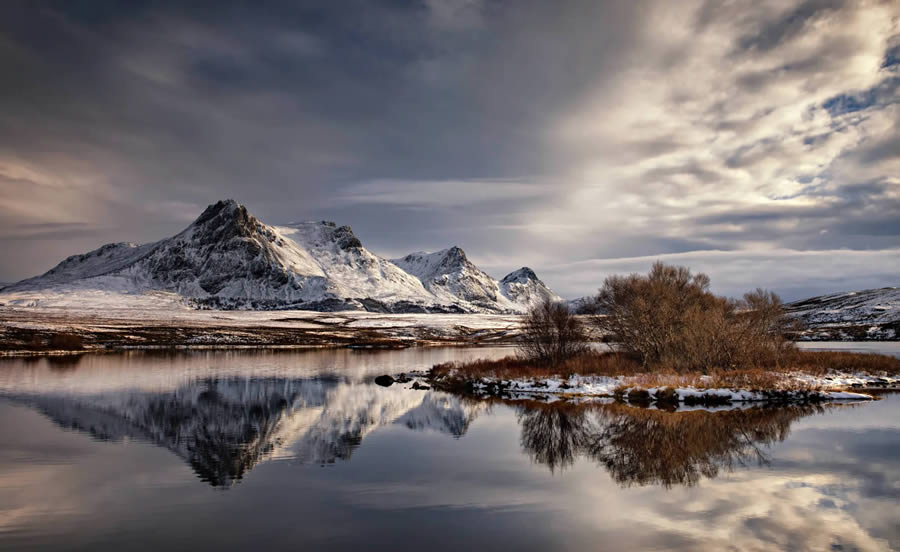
x=551, y=334
x=670, y=318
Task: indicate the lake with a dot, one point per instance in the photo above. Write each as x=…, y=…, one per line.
x=233, y=450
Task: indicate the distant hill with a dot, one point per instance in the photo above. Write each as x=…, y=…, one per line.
x=871, y=314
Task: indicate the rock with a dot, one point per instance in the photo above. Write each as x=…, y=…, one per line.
x=384, y=381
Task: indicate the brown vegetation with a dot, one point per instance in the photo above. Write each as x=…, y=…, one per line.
x=551, y=334
x=823, y=362
x=66, y=342
x=32, y=340
x=670, y=318
x=588, y=363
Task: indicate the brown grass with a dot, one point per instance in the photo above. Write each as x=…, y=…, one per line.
x=822, y=362
x=66, y=341
x=512, y=367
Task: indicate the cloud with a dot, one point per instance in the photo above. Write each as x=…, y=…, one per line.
x=526, y=133
x=439, y=193
x=795, y=273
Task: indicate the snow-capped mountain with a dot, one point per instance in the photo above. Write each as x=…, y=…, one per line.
x=523, y=287
x=452, y=277
x=227, y=258
x=866, y=314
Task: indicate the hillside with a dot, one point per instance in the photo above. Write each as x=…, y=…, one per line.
x=871, y=314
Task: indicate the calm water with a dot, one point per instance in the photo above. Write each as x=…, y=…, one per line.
x=237, y=451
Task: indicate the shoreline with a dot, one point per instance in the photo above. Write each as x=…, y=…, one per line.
x=670, y=389
x=641, y=396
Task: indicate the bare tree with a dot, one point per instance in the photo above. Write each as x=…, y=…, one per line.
x=670, y=318
x=552, y=334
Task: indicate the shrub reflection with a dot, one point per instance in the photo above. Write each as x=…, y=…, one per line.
x=652, y=447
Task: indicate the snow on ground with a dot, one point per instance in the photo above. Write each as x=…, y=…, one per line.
x=871, y=306
x=115, y=326
x=151, y=312
x=796, y=386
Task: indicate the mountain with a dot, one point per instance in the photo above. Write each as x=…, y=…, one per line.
x=523, y=287
x=449, y=275
x=227, y=258
x=871, y=314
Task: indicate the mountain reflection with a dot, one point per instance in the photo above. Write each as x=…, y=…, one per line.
x=223, y=427
x=651, y=447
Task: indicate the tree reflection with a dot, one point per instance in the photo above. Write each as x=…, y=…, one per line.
x=555, y=435
x=652, y=447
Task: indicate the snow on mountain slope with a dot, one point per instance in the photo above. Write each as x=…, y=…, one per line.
x=866, y=314
x=104, y=260
x=227, y=258
x=524, y=288
x=449, y=275
x=351, y=269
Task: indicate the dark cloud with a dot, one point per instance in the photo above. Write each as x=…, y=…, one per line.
x=891, y=57
x=775, y=32
x=525, y=132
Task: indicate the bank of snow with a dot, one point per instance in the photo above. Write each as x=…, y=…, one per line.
x=793, y=387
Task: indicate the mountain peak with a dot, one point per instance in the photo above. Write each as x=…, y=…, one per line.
x=225, y=220
x=219, y=208
x=521, y=275
x=455, y=254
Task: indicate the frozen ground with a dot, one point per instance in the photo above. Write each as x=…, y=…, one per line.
x=866, y=315
x=107, y=326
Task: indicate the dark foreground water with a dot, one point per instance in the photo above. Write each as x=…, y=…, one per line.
x=290, y=451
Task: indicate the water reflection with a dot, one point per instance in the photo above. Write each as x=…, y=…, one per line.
x=223, y=427
x=641, y=446
x=413, y=468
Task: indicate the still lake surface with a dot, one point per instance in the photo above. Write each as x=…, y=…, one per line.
x=300, y=450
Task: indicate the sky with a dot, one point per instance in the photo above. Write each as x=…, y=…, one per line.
x=758, y=141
